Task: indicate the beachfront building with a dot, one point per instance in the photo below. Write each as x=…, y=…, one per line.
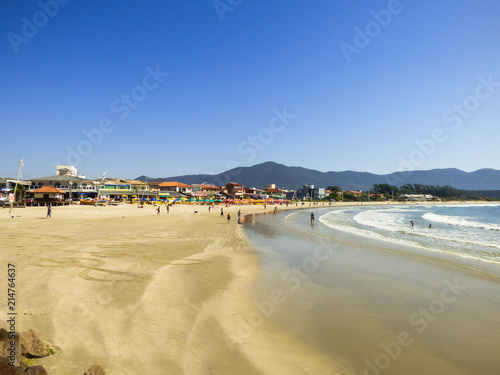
x=48, y=195
x=121, y=189
x=73, y=187
x=310, y=192
x=116, y=189
x=205, y=191
x=356, y=193
x=7, y=186
x=154, y=186
x=272, y=192
x=234, y=190
x=254, y=193
x=176, y=187
x=69, y=170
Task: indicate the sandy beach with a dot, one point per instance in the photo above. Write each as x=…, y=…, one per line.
x=141, y=293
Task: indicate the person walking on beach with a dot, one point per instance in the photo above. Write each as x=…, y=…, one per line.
x=222, y=212
x=228, y=218
x=168, y=208
x=312, y=217
x=158, y=210
x=239, y=216
x=209, y=208
x=275, y=210
x=49, y=211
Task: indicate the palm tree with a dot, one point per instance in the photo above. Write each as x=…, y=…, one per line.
x=20, y=190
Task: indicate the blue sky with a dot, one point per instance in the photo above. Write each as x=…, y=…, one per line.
x=176, y=87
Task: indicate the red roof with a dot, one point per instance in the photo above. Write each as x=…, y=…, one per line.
x=174, y=183
x=48, y=189
x=354, y=192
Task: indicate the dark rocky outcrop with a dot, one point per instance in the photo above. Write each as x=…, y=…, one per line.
x=32, y=346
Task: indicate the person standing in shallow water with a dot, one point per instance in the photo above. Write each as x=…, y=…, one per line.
x=312, y=217
x=412, y=223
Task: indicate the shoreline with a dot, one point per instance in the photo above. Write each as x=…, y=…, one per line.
x=137, y=292
x=380, y=312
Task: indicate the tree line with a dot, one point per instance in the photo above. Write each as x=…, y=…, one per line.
x=387, y=191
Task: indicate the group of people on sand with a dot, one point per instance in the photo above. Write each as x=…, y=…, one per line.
x=229, y=216
x=167, y=207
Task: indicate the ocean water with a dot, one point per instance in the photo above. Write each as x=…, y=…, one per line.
x=466, y=234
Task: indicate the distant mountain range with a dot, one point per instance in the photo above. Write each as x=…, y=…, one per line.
x=262, y=175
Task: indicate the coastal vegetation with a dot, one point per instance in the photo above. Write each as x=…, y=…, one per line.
x=382, y=192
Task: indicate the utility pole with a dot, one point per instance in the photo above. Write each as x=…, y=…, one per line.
x=102, y=183
x=70, y=190
x=17, y=181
